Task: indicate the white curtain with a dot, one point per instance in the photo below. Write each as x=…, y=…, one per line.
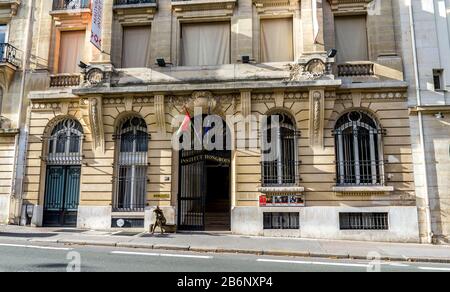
x=276, y=40
x=205, y=44
x=351, y=38
x=70, y=51
x=136, y=46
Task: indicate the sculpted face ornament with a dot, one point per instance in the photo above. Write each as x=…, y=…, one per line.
x=312, y=70
x=94, y=76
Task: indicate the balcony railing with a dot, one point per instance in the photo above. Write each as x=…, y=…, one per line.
x=71, y=4
x=133, y=2
x=356, y=70
x=9, y=54
x=65, y=80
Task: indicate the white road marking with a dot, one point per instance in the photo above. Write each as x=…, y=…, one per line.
x=434, y=269
x=284, y=261
x=186, y=256
x=135, y=253
x=314, y=263
x=160, y=254
x=398, y=265
x=35, y=247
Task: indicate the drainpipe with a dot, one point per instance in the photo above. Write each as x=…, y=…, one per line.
x=421, y=128
x=21, y=139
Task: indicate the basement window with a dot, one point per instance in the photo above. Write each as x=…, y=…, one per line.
x=363, y=221
x=437, y=79
x=281, y=220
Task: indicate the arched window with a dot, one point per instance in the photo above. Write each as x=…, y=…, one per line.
x=280, y=163
x=359, y=150
x=64, y=145
x=131, y=165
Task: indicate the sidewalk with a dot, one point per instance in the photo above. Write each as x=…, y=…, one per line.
x=227, y=243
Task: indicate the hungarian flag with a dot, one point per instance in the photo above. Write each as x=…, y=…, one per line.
x=185, y=125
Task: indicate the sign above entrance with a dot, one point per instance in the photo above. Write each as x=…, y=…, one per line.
x=205, y=157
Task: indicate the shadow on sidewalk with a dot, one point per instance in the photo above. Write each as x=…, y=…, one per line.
x=26, y=235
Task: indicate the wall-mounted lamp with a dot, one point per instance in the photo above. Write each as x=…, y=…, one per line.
x=161, y=62
x=246, y=60
x=82, y=65
x=332, y=53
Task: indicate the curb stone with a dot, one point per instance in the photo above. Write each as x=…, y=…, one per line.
x=171, y=247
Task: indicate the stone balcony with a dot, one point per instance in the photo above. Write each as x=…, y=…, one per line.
x=10, y=61
x=363, y=69
x=59, y=5
x=65, y=80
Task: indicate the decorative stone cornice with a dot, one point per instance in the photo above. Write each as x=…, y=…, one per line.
x=113, y=101
x=385, y=95
x=142, y=12
x=208, y=101
x=263, y=5
x=45, y=106
x=281, y=189
x=262, y=97
x=362, y=190
x=11, y=5
x=349, y=6
x=181, y=7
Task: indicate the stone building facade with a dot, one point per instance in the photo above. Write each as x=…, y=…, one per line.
x=13, y=24
x=100, y=147
x=427, y=65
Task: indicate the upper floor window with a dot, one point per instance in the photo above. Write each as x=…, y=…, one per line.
x=276, y=40
x=3, y=33
x=136, y=46
x=438, y=79
x=280, y=159
x=351, y=38
x=358, y=150
x=205, y=43
x=71, y=48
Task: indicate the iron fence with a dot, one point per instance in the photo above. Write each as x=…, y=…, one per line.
x=133, y=2
x=131, y=172
x=363, y=221
x=359, y=155
x=71, y=4
x=279, y=173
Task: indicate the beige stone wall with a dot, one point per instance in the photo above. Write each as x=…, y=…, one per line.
x=98, y=166
x=317, y=168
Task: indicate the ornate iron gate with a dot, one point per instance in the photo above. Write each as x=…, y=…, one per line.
x=191, y=201
x=193, y=186
x=62, y=193
x=62, y=186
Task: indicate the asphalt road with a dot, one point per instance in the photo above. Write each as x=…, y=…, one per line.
x=40, y=257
